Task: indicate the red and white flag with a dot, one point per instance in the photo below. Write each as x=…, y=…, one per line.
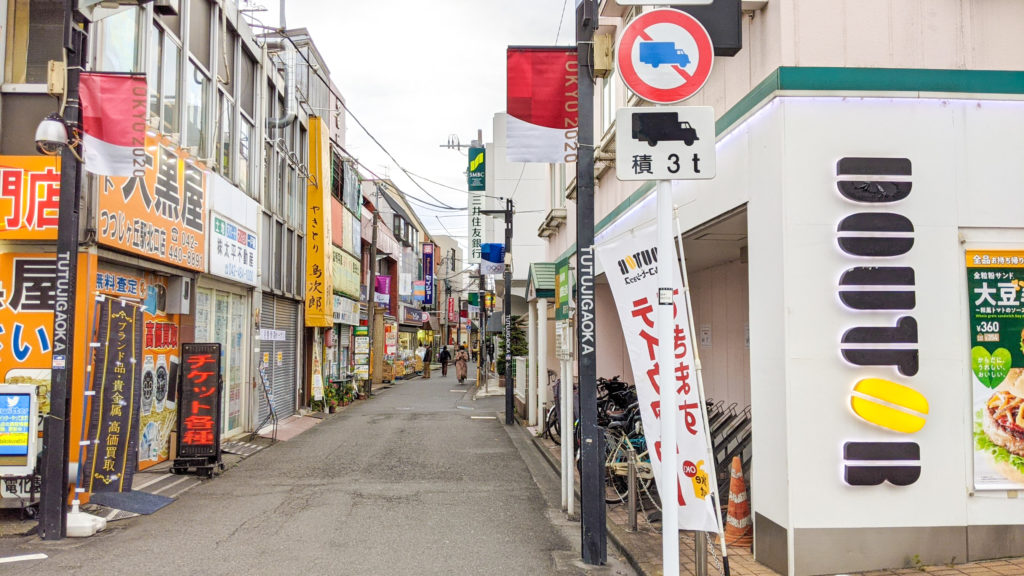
x=542, y=105
x=113, y=122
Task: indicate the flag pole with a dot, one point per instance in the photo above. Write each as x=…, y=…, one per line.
x=703, y=406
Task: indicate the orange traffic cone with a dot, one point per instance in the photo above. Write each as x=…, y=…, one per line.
x=738, y=529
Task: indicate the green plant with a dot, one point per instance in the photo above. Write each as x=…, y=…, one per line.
x=520, y=347
x=917, y=562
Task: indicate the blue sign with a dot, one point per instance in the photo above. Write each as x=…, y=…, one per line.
x=428, y=273
x=15, y=425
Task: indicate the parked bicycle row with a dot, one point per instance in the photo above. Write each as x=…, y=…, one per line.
x=618, y=415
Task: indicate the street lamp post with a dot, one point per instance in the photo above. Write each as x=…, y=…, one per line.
x=507, y=307
x=594, y=542
x=56, y=433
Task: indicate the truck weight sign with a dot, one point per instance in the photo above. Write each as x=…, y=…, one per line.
x=665, y=143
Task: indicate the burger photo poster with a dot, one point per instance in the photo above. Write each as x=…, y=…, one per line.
x=996, y=314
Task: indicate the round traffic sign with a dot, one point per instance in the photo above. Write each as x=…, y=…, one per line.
x=664, y=56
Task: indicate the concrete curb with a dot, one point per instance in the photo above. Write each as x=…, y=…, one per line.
x=614, y=531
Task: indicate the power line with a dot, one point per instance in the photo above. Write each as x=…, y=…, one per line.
x=316, y=70
x=560, y=20
x=400, y=167
x=454, y=188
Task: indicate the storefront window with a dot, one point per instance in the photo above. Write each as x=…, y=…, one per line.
x=221, y=317
x=195, y=114
x=227, y=125
x=119, y=37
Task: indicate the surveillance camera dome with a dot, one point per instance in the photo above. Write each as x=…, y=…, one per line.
x=51, y=135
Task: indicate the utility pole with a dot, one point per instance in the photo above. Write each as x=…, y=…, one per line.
x=507, y=304
x=481, y=313
x=594, y=544
x=376, y=362
x=57, y=432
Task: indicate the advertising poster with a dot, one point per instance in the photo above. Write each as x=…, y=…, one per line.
x=996, y=315
x=631, y=265
x=117, y=383
x=29, y=195
x=160, y=361
x=362, y=352
x=161, y=213
x=17, y=430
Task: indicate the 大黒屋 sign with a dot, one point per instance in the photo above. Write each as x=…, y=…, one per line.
x=160, y=212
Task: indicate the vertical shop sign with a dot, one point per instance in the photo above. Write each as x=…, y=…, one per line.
x=476, y=226
x=117, y=386
x=160, y=211
x=319, y=301
x=452, y=317
x=476, y=174
x=29, y=194
x=995, y=279
x=362, y=351
x=428, y=273
x=631, y=263
x=562, y=289
x=199, y=416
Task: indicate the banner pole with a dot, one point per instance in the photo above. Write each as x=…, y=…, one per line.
x=666, y=362
x=701, y=398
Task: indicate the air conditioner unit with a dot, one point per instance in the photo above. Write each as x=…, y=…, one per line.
x=166, y=7
x=179, y=295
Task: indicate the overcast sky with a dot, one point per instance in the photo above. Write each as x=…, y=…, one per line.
x=416, y=71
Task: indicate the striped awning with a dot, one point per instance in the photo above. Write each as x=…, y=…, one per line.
x=540, y=282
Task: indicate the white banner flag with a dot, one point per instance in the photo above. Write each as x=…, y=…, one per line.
x=630, y=264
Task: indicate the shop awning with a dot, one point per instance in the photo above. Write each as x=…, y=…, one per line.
x=540, y=282
x=432, y=324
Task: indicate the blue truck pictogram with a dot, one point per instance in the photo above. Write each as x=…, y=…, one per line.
x=658, y=53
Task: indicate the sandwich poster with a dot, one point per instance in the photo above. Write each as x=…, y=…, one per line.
x=996, y=314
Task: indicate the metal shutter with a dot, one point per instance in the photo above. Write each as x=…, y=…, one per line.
x=280, y=314
x=287, y=378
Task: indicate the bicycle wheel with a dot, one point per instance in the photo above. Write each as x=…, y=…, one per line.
x=552, y=428
x=616, y=469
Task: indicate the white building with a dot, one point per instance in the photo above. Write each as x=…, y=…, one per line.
x=826, y=97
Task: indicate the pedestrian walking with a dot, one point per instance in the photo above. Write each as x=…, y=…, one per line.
x=461, y=360
x=444, y=357
x=490, y=352
x=428, y=356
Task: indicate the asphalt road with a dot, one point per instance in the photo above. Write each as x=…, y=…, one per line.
x=405, y=483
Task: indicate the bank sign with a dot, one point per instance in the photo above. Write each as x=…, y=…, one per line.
x=233, y=251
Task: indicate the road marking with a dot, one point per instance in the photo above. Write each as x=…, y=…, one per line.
x=175, y=483
x=23, y=558
x=153, y=481
x=460, y=391
x=483, y=417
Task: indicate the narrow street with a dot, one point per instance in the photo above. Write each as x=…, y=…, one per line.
x=421, y=479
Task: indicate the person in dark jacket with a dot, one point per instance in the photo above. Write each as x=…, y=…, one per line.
x=444, y=357
x=428, y=357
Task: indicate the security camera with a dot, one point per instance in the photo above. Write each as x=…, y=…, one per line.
x=51, y=135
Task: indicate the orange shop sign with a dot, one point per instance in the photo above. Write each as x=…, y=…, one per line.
x=29, y=195
x=160, y=211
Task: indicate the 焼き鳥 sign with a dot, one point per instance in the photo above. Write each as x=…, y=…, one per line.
x=117, y=382
x=199, y=407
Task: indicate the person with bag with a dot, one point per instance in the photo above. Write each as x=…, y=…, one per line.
x=461, y=361
x=444, y=357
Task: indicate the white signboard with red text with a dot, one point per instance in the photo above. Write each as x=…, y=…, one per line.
x=630, y=262
x=664, y=56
